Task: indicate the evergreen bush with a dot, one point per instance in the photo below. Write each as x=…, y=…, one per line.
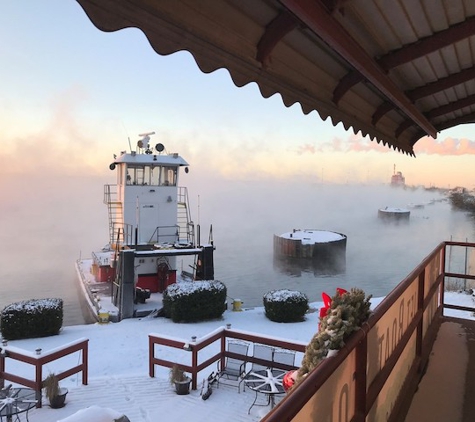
x=32, y=318
x=285, y=305
x=194, y=301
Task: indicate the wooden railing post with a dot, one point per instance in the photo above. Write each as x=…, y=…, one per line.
x=38, y=382
x=194, y=366
x=442, y=286
x=222, y=360
x=361, y=356
x=85, y=362
x=420, y=308
x=151, y=357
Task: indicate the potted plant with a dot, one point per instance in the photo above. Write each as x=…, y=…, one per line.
x=56, y=394
x=180, y=380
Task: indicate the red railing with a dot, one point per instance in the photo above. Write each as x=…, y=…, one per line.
x=41, y=359
x=365, y=380
x=375, y=375
x=194, y=365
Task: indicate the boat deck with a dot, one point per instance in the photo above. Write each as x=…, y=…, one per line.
x=99, y=295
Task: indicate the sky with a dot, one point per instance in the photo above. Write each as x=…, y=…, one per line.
x=72, y=96
x=118, y=368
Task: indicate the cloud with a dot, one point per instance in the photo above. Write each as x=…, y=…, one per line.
x=449, y=146
x=62, y=144
x=306, y=148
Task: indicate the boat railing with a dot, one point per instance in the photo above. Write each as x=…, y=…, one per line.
x=122, y=234
x=165, y=235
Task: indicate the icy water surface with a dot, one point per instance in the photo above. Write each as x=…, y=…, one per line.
x=41, y=239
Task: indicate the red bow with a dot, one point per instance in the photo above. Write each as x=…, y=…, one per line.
x=327, y=301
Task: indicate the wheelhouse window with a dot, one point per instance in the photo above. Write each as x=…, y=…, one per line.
x=151, y=175
x=168, y=176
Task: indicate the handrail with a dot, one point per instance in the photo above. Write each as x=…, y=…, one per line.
x=221, y=334
x=39, y=360
x=425, y=320
x=171, y=237
x=405, y=324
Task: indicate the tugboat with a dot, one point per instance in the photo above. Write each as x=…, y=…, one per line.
x=397, y=179
x=150, y=234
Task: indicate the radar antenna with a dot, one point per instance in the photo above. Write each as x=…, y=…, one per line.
x=144, y=142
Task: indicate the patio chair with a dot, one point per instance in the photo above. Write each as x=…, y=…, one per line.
x=286, y=357
x=234, y=369
x=260, y=351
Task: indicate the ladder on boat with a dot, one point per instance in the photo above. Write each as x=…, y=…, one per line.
x=115, y=214
x=186, y=227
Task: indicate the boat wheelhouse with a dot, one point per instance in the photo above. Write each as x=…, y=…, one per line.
x=397, y=179
x=152, y=238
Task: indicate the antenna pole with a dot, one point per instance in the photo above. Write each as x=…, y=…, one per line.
x=199, y=209
x=130, y=145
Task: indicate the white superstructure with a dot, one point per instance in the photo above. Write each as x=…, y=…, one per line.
x=146, y=206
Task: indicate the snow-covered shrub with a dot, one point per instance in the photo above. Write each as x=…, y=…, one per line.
x=32, y=318
x=285, y=305
x=194, y=301
x=347, y=313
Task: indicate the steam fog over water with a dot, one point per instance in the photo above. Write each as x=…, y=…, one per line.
x=45, y=230
x=378, y=255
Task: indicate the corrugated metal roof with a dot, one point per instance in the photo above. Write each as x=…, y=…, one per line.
x=395, y=70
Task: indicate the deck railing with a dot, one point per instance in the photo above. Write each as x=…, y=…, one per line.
x=38, y=359
x=373, y=376
x=193, y=362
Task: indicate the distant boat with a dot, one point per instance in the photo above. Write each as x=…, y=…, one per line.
x=397, y=179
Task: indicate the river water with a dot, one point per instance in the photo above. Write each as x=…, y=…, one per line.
x=378, y=255
x=42, y=238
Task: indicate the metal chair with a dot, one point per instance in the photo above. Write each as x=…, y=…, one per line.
x=234, y=369
x=260, y=351
x=286, y=357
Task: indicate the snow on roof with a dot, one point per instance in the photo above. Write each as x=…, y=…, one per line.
x=311, y=236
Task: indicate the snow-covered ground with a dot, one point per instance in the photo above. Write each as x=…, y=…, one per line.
x=118, y=366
